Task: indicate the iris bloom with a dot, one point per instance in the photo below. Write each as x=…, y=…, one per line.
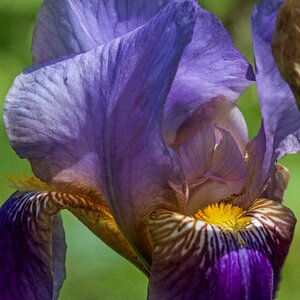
x=128, y=119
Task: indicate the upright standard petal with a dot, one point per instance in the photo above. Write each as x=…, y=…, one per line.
x=210, y=68
x=76, y=26
x=213, y=165
x=220, y=113
x=281, y=118
x=108, y=103
x=213, y=257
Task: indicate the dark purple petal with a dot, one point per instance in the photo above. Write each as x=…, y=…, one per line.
x=32, y=248
x=196, y=260
x=32, y=244
x=239, y=275
x=95, y=118
x=281, y=118
x=76, y=26
x=211, y=67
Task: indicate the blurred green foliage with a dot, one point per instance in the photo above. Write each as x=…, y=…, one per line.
x=93, y=270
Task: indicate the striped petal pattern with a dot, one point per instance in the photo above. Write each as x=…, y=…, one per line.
x=32, y=244
x=32, y=247
x=193, y=259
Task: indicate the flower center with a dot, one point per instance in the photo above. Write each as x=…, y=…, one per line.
x=225, y=215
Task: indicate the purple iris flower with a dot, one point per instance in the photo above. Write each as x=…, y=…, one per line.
x=129, y=121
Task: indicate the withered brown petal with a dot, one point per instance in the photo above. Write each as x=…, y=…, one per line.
x=286, y=45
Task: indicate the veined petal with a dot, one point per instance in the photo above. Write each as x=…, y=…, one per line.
x=196, y=154
x=76, y=26
x=210, y=68
x=220, y=113
x=216, y=122
x=32, y=248
x=194, y=259
x=281, y=118
x=95, y=119
x=213, y=165
x=228, y=163
x=32, y=244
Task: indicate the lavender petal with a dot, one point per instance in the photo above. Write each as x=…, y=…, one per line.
x=95, y=119
x=210, y=68
x=75, y=26
x=281, y=119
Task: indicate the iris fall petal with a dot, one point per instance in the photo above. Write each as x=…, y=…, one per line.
x=32, y=247
x=193, y=259
x=32, y=244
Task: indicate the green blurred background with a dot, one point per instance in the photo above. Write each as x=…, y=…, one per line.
x=93, y=270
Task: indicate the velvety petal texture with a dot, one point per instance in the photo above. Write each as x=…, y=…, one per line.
x=32, y=247
x=108, y=103
x=210, y=68
x=32, y=244
x=193, y=259
x=281, y=119
x=76, y=26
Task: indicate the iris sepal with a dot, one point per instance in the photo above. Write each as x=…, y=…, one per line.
x=32, y=243
x=193, y=259
x=113, y=113
x=32, y=247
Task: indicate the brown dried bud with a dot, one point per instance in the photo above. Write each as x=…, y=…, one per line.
x=286, y=45
x=278, y=184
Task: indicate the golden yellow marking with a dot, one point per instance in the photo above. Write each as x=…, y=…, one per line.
x=225, y=215
x=87, y=205
x=26, y=183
